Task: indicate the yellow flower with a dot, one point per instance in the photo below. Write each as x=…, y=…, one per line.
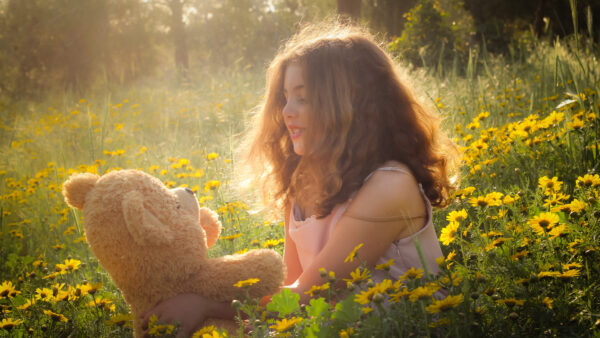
x=358, y=276
x=285, y=324
x=380, y=288
x=454, y=278
x=571, y=266
x=347, y=332
x=156, y=329
x=56, y=316
x=497, y=242
x=548, y=302
x=43, y=294
x=385, y=266
x=8, y=290
x=212, y=156
x=558, y=231
x=316, y=289
x=270, y=243
x=445, y=304
x=511, y=302
x=588, y=181
x=457, y=216
x=448, y=234
x=72, y=264
x=543, y=274
x=246, y=282
x=519, y=255
x=121, y=319
x=575, y=206
x=398, y=296
x=8, y=323
x=570, y=273
x=463, y=193
x=422, y=292
x=451, y=255
x=543, y=222
x=27, y=305
x=367, y=309
x=103, y=304
x=211, y=185
x=440, y=322
x=412, y=273
x=207, y=330
x=576, y=124
x=555, y=199
x=549, y=185
x=231, y=237
x=491, y=199
x=353, y=253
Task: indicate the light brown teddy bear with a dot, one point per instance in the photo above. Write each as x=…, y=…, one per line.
x=153, y=241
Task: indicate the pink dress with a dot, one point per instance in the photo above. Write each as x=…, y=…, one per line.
x=311, y=235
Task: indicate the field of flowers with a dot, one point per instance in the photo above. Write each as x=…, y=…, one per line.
x=522, y=255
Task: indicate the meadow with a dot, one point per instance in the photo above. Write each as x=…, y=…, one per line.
x=520, y=237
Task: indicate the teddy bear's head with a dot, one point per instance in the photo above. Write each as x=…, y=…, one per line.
x=132, y=219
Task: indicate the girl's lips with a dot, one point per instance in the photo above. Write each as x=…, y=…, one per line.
x=295, y=132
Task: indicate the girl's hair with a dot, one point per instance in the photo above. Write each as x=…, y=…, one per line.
x=361, y=116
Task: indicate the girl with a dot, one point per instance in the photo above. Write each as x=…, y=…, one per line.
x=343, y=146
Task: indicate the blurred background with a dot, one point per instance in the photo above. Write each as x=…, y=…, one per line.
x=82, y=45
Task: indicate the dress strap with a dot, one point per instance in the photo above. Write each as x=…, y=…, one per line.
x=397, y=169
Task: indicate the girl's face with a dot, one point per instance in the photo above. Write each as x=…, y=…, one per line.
x=296, y=110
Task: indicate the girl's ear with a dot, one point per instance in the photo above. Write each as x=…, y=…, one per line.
x=144, y=227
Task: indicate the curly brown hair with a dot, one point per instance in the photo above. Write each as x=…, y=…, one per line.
x=362, y=116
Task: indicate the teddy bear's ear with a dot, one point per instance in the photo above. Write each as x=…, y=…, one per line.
x=211, y=225
x=144, y=227
x=76, y=188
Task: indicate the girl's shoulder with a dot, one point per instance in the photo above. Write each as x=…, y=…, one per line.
x=388, y=190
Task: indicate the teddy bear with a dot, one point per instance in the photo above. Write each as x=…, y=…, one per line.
x=153, y=242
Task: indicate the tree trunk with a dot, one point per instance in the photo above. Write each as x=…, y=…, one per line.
x=349, y=9
x=179, y=37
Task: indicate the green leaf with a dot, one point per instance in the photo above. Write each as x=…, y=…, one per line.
x=284, y=303
x=318, y=308
x=347, y=310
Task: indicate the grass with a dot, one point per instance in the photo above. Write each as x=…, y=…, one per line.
x=520, y=238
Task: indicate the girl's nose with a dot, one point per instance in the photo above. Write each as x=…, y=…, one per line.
x=288, y=110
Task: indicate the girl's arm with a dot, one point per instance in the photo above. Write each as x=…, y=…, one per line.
x=385, y=195
x=290, y=253
x=190, y=311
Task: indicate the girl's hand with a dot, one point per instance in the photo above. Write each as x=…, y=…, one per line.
x=189, y=310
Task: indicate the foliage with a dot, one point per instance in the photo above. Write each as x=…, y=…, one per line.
x=499, y=22
x=429, y=37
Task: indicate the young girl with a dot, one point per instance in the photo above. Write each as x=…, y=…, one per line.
x=343, y=146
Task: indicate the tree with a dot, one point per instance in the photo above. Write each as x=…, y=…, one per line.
x=349, y=9
x=178, y=35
